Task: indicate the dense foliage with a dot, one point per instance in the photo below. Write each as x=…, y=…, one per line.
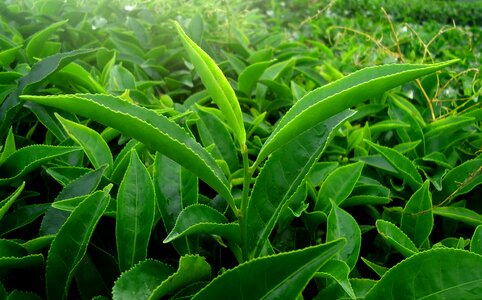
x=240, y=149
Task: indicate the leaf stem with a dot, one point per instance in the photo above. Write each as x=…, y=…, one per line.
x=244, y=202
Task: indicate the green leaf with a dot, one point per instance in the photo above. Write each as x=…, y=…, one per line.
x=38, y=244
x=135, y=214
x=460, y=180
x=476, y=241
x=284, y=275
x=82, y=186
x=192, y=268
x=338, y=270
x=21, y=295
x=91, y=142
x=176, y=188
x=340, y=95
x=376, y=268
x=249, y=76
x=36, y=46
x=9, y=146
x=40, y=72
x=148, y=127
x=27, y=262
x=69, y=246
x=342, y=224
x=338, y=186
x=460, y=214
x=21, y=216
x=402, y=110
x=396, y=238
x=6, y=203
x=29, y=158
x=199, y=218
x=434, y=274
x=216, y=84
x=417, y=217
x=360, y=287
x=65, y=175
x=280, y=178
x=88, y=279
x=212, y=131
x=141, y=280
x=406, y=169
x=46, y=116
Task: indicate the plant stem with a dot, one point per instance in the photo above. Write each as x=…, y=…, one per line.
x=244, y=203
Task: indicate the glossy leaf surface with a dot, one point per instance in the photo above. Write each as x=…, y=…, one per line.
x=406, y=169
x=199, y=218
x=417, y=217
x=396, y=238
x=176, y=188
x=91, y=142
x=284, y=275
x=135, y=213
x=192, y=268
x=141, y=280
x=217, y=85
x=29, y=158
x=146, y=126
x=340, y=95
x=338, y=186
x=70, y=244
x=441, y=274
x=341, y=224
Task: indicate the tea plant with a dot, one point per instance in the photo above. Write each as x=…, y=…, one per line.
x=246, y=172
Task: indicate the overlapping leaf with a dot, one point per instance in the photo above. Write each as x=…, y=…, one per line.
x=217, y=85
x=278, y=276
x=440, y=274
x=280, y=178
x=154, y=130
x=70, y=244
x=340, y=95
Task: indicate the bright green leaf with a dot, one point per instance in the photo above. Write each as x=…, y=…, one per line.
x=135, y=214
x=340, y=95
x=396, y=238
x=148, y=127
x=199, y=218
x=434, y=274
x=342, y=224
x=69, y=246
x=417, y=217
x=217, y=85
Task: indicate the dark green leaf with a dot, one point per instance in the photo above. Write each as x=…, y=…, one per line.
x=280, y=178
x=284, y=275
